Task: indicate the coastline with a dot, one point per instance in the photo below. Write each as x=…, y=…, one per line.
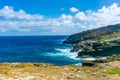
x=83, y=46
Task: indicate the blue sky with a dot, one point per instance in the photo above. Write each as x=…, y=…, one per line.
x=56, y=17
x=49, y=7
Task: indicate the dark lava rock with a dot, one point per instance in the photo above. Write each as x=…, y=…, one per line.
x=103, y=41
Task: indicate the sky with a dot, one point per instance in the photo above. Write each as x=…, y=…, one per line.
x=56, y=17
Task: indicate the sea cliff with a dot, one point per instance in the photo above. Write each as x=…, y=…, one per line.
x=104, y=41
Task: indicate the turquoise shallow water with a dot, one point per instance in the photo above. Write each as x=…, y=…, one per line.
x=45, y=49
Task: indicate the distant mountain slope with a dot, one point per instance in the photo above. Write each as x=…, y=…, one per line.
x=93, y=34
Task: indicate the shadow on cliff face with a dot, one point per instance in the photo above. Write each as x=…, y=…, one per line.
x=111, y=51
x=104, y=53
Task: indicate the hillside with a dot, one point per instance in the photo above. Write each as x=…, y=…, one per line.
x=95, y=34
x=103, y=41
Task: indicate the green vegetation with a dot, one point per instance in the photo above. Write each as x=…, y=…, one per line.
x=103, y=39
x=113, y=70
x=111, y=59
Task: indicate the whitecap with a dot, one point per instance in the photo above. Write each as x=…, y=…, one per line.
x=78, y=64
x=73, y=55
x=91, y=59
x=66, y=52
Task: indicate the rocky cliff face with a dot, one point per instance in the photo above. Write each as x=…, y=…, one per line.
x=103, y=41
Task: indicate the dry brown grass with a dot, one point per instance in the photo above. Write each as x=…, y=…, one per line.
x=39, y=71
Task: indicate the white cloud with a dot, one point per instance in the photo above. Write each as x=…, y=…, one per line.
x=63, y=16
x=80, y=16
x=73, y=9
x=9, y=13
x=102, y=17
x=11, y=20
x=3, y=29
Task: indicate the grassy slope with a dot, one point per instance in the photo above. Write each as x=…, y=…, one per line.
x=102, y=34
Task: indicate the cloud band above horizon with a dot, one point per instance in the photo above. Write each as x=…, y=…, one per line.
x=20, y=21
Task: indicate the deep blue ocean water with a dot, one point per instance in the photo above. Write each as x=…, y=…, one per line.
x=45, y=49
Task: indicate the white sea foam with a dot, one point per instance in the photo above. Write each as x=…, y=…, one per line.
x=66, y=52
x=78, y=64
x=88, y=59
x=73, y=55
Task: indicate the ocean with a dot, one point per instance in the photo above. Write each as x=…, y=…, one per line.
x=43, y=49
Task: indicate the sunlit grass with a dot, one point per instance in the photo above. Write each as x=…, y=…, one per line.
x=113, y=70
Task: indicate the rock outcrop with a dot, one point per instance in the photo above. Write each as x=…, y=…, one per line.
x=103, y=41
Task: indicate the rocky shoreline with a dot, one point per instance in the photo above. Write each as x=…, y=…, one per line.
x=97, y=43
x=110, y=70
x=104, y=41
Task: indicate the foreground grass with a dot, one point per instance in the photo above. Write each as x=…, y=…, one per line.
x=113, y=70
x=40, y=71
